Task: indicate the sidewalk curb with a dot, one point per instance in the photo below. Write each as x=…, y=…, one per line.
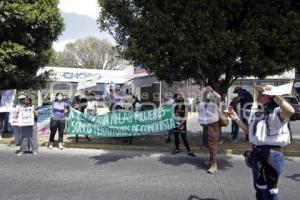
x=126, y=147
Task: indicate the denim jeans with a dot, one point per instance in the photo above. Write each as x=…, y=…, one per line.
x=234, y=130
x=17, y=135
x=267, y=165
x=245, y=121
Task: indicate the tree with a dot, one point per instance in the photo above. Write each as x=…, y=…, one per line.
x=89, y=53
x=27, y=30
x=210, y=42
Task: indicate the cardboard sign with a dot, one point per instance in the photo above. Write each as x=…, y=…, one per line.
x=13, y=116
x=87, y=83
x=26, y=116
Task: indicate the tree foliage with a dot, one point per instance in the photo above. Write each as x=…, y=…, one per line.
x=89, y=53
x=211, y=42
x=27, y=30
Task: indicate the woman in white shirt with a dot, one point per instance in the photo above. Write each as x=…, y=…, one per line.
x=208, y=111
x=268, y=132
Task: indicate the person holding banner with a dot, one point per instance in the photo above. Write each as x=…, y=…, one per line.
x=170, y=102
x=80, y=104
x=27, y=116
x=6, y=103
x=57, y=123
x=181, y=113
x=91, y=106
x=117, y=98
x=268, y=133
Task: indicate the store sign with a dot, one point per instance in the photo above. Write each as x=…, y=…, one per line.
x=79, y=75
x=63, y=74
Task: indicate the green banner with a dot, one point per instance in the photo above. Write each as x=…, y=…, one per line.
x=121, y=123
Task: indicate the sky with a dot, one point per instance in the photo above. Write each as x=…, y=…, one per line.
x=83, y=7
x=80, y=22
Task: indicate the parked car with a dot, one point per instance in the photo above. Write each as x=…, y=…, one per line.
x=296, y=105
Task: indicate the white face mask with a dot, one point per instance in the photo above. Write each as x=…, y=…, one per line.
x=59, y=98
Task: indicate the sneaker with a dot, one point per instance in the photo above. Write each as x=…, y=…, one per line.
x=213, y=169
x=20, y=153
x=50, y=146
x=35, y=153
x=60, y=146
x=191, y=154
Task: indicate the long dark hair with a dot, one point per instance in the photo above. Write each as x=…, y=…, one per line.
x=59, y=93
x=269, y=107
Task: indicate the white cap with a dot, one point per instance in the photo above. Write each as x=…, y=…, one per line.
x=21, y=97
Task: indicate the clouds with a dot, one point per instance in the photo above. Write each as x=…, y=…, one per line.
x=83, y=7
x=60, y=45
x=80, y=22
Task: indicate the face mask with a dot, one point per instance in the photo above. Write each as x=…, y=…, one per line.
x=59, y=98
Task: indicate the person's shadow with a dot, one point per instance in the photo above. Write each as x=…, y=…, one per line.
x=295, y=177
x=115, y=157
x=198, y=162
x=193, y=197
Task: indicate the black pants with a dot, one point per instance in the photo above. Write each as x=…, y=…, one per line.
x=57, y=124
x=183, y=137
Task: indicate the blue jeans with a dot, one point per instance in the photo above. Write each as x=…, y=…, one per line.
x=17, y=135
x=234, y=130
x=266, y=168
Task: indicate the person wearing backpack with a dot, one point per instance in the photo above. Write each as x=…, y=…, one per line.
x=268, y=132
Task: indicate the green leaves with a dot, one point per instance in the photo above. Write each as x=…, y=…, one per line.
x=89, y=53
x=27, y=30
x=212, y=42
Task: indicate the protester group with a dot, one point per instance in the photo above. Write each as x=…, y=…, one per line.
x=265, y=127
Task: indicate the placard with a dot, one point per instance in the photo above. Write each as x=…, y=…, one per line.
x=13, y=116
x=26, y=116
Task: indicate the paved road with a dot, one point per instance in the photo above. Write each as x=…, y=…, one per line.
x=75, y=174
